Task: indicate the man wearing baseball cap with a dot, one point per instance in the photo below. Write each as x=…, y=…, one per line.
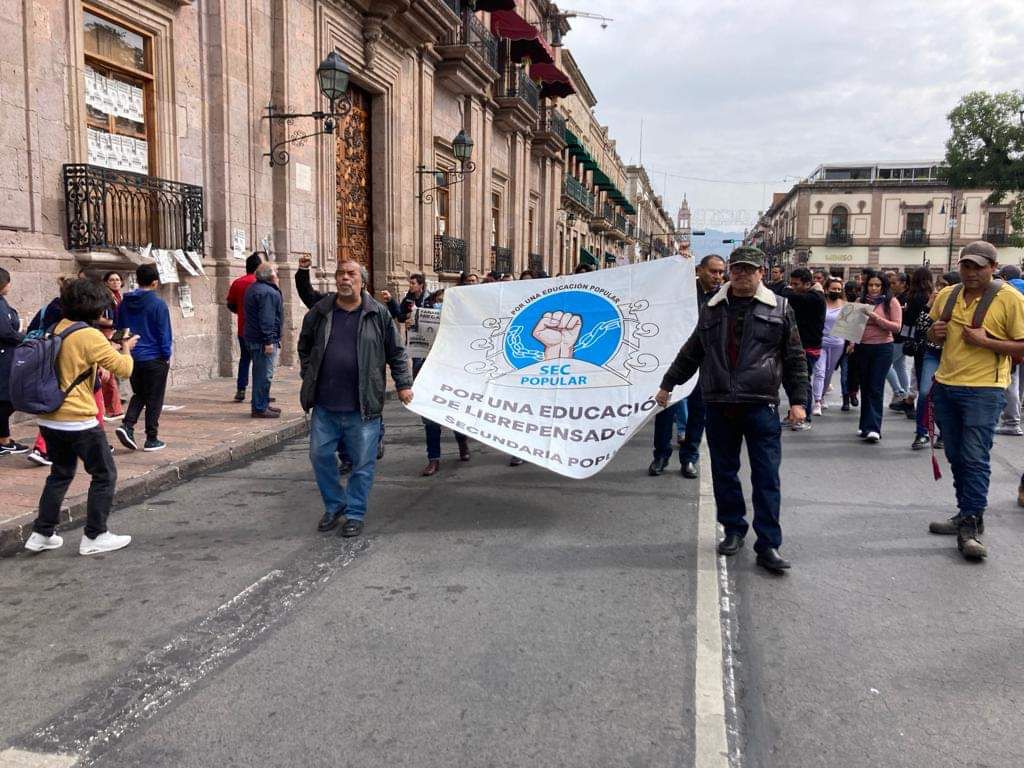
x=746, y=345
x=970, y=385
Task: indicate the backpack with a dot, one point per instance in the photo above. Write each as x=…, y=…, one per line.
x=34, y=385
x=980, y=311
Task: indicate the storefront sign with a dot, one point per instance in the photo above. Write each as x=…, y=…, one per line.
x=852, y=256
x=559, y=372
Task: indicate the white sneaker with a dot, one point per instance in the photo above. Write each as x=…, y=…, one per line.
x=105, y=542
x=816, y=409
x=1009, y=430
x=39, y=543
x=872, y=437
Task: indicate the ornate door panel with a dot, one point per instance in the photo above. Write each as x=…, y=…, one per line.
x=355, y=225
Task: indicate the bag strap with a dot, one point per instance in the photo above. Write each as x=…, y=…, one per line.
x=70, y=329
x=88, y=371
x=986, y=301
x=947, y=311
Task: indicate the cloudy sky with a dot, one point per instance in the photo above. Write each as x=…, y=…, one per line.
x=763, y=91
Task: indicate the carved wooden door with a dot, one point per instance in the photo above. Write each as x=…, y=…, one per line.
x=355, y=225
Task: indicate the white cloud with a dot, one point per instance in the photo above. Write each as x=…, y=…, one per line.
x=758, y=91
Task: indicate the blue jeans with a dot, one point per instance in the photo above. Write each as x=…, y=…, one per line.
x=728, y=426
x=925, y=377
x=873, y=362
x=326, y=430
x=968, y=417
x=898, y=378
x=262, y=374
x=244, y=361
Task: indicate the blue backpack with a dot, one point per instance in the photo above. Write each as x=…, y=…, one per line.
x=33, y=383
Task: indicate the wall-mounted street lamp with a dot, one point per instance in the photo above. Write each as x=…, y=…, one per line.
x=462, y=148
x=332, y=77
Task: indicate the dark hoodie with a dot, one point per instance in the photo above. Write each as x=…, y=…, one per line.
x=146, y=315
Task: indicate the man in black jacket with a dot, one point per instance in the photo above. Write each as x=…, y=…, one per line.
x=746, y=346
x=345, y=342
x=808, y=303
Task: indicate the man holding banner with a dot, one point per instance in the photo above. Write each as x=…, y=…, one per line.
x=746, y=345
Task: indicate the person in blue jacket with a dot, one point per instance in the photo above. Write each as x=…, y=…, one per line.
x=264, y=318
x=144, y=314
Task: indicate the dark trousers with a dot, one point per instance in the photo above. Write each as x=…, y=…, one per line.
x=727, y=427
x=244, y=361
x=873, y=362
x=149, y=384
x=433, y=432
x=6, y=409
x=689, y=447
x=64, y=449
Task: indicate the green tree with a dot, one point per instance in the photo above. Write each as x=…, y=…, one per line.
x=986, y=150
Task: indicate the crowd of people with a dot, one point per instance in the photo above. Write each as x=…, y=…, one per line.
x=949, y=349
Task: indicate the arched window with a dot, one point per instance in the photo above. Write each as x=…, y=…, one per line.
x=838, y=230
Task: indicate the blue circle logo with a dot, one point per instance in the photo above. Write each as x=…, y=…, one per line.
x=566, y=325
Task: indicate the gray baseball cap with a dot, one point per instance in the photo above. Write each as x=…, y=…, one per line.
x=979, y=252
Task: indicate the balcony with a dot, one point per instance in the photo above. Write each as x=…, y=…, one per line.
x=502, y=260
x=549, y=137
x=617, y=226
x=106, y=208
x=449, y=254
x=602, y=219
x=518, y=101
x=470, y=58
x=913, y=237
x=838, y=237
x=996, y=237
x=575, y=194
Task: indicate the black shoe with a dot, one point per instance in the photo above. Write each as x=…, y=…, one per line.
x=772, y=561
x=846, y=403
x=854, y=401
x=515, y=461
x=920, y=443
x=380, y=450
x=240, y=396
x=153, y=444
x=352, y=528
x=345, y=468
x=127, y=437
x=330, y=520
x=657, y=467
x=690, y=470
x=730, y=545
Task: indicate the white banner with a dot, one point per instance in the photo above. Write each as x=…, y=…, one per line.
x=559, y=372
x=422, y=331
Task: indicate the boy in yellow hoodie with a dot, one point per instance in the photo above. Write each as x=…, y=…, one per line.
x=72, y=432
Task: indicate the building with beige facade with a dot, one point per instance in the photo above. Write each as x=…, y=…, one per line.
x=846, y=217
x=655, y=231
x=163, y=123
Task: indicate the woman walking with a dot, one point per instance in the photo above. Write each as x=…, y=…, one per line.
x=109, y=385
x=832, y=347
x=875, y=351
x=10, y=337
x=926, y=354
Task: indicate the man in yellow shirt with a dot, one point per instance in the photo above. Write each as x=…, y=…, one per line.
x=72, y=432
x=970, y=385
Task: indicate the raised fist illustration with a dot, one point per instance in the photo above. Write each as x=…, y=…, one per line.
x=558, y=332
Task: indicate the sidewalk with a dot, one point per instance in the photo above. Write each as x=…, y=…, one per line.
x=203, y=428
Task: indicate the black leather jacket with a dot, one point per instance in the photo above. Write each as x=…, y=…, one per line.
x=770, y=354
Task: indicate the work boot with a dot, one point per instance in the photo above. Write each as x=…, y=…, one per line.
x=968, y=541
x=846, y=403
x=951, y=527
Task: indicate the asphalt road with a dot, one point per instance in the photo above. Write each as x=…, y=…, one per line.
x=491, y=616
x=883, y=647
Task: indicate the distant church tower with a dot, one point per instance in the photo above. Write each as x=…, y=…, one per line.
x=683, y=227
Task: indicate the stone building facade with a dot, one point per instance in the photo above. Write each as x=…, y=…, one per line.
x=655, y=232
x=845, y=217
x=127, y=122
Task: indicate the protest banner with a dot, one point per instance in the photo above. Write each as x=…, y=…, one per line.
x=562, y=371
x=422, y=331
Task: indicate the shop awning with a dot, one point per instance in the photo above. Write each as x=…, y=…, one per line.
x=601, y=180
x=628, y=208
x=495, y=5
x=526, y=40
x=577, y=150
x=609, y=258
x=587, y=258
x=555, y=84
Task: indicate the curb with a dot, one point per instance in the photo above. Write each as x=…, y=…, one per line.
x=12, y=537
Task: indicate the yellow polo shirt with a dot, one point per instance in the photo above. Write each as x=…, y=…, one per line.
x=965, y=365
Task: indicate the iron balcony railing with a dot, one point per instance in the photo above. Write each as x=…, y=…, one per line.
x=535, y=262
x=474, y=33
x=449, y=254
x=914, y=237
x=552, y=121
x=107, y=208
x=574, y=190
x=607, y=211
x=996, y=237
x=502, y=260
x=619, y=222
x=519, y=85
x=838, y=237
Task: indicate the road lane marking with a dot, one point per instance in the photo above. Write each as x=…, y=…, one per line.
x=711, y=744
x=98, y=723
x=19, y=758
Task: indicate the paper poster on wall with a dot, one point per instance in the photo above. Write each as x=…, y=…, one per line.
x=238, y=243
x=197, y=261
x=138, y=110
x=185, y=301
x=179, y=256
x=165, y=268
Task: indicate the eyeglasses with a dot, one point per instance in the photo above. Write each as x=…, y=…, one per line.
x=743, y=269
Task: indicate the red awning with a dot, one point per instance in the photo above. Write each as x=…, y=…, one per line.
x=526, y=41
x=495, y=5
x=556, y=84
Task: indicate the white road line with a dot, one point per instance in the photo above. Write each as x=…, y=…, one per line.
x=711, y=746
x=19, y=758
